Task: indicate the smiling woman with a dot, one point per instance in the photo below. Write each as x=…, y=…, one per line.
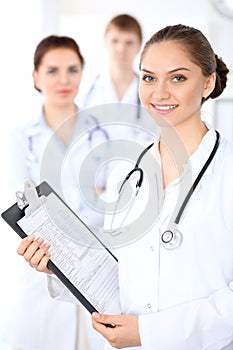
x=172, y=83
x=179, y=71
x=173, y=87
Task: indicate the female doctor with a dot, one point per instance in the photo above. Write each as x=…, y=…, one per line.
x=176, y=276
x=58, y=65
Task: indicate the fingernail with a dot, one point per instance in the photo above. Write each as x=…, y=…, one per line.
x=96, y=316
x=30, y=238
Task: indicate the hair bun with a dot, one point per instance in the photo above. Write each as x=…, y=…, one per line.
x=221, y=77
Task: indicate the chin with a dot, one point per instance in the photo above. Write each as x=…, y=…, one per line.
x=159, y=119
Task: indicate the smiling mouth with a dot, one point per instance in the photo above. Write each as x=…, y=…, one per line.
x=165, y=108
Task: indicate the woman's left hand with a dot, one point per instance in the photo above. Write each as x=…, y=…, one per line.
x=125, y=332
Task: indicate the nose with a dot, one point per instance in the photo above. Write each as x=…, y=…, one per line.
x=161, y=91
x=120, y=47
x=64, y=78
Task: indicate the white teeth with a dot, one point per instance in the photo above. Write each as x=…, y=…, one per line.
x=165, y=108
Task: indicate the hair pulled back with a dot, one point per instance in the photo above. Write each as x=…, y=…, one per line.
x=54, y=42
x=199, y=50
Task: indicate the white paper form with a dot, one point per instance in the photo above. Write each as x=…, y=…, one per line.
x=77, y=253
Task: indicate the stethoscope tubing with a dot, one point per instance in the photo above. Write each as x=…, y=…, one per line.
x=171, y=239
x=197, y=180
x=91, y=89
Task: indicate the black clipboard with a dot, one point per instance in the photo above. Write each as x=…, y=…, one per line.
x=13, y=214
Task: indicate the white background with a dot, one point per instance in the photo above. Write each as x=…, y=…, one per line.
x=24, y=23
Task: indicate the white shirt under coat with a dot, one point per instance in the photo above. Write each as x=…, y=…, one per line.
x=184, y=297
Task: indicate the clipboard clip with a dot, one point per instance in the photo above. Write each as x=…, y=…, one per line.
x=29, y=198
x=21, y=200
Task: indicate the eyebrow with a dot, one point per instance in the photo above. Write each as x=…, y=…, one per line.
x=171, y=71
x=74, y=65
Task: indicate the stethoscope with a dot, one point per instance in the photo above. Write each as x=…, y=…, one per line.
x=88, y=94
x=32, y=158
x=171, y=238
x=97, y=128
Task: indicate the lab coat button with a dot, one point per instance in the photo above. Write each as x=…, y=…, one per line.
x=152, y=248
x=148, y=305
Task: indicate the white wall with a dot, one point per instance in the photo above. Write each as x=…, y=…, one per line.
x=20, y=30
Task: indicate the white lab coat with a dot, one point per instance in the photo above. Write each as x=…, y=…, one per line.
x=38, y=322
x=85, y=168
x=184, y=297
x=102, y=91
x=31, y=146
x=36, y=153
x=99, y=97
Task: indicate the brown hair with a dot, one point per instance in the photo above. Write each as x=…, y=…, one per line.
x=126, y=23
x=54, y=42
x=199, y=50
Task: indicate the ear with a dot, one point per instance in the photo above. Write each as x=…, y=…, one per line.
x=209, y=85
x=36, y=79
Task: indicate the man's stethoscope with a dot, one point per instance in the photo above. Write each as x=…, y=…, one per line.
x=171, y=239
x=92, y=87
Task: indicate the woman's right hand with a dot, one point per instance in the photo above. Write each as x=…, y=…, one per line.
x=35, y=252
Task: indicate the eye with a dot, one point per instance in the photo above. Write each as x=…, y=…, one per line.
x=179, y=78
x=73, y=70
x=52, y=71
x=148, y=78
x=114, y=41
x=130, y=43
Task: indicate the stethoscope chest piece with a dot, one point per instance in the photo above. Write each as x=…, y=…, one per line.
x=171, y=239
x=31, y=157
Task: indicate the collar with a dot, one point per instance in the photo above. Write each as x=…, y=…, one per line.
x=201, y=155
x=197, y=160
x=39, y=125
x=104, y=79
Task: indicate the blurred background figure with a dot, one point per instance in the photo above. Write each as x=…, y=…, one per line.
x=117, y=84
x=37, y=321
x=118, y=81
x=57, y=74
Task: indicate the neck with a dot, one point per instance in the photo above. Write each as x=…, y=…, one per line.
x=185, y=136
x=56, y=116
x=121, y=72
x=121, y=78
x=177, y=144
